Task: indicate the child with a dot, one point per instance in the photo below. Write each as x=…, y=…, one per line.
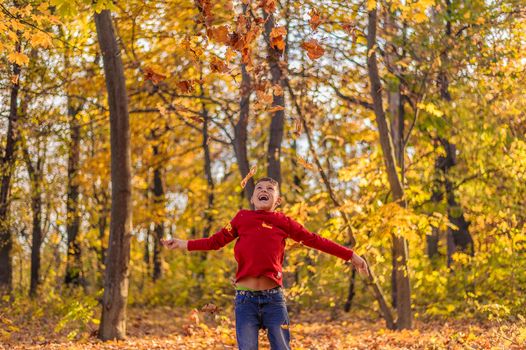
x=259, y=251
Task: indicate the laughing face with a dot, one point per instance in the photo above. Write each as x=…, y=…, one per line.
x=266, y=196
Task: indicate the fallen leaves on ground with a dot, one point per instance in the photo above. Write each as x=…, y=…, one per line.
x=166, y=328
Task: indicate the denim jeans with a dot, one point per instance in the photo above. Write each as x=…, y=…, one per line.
x=262, y=310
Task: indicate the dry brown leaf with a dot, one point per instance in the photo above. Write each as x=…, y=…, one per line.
x=186, y=86
x=269, y=6
x=276, y=108
x=297, y=127
x=210, y=308
x=249, y=176
x=315, y=19
x=314, y=50
x=153, y=73
x=277, y=90
x=218, y=65
x=304, y=163
x=219, y=34
x=263, y=97
x=277, y=38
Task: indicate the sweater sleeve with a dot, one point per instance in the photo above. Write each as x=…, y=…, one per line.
x=218, y=240
x=300, y=234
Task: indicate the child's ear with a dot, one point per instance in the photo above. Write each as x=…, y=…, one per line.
x=278, y=201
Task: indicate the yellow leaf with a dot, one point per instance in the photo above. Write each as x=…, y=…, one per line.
x=371, y=5
x=41, y=39
x=18, y=58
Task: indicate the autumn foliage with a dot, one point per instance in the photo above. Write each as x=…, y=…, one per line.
x=397, y=129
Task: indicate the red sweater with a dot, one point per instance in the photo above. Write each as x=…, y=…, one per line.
x=260, y=244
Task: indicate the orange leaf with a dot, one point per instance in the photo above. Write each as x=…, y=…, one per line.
x=186, y=86
x=314, y=50
x=268, y=6
x=14, y=79
x=210, y=308
x=263, y=97
x=219, y=34
x=153, y=74
x=249, y=175
x=304, y=163
x=276, y=38
x=218, y=65
x=277, y=89
x=276, y=108
x=297, y=127
x=315, y=19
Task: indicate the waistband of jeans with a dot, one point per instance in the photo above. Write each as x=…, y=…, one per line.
x=259, y=292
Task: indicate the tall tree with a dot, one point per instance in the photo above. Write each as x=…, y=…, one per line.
x=113, y=319
x=7, y=169
x=278, y=100
x=35, y=169
x=73, y=262
x=400, y=249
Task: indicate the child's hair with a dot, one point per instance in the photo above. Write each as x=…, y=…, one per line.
x=268, y=179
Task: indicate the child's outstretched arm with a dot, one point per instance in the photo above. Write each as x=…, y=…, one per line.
x=218, y=240
x=301, y=234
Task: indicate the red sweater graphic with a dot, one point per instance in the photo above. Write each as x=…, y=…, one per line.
x=260, y=245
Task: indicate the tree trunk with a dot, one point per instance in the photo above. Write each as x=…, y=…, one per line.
x=209, y=188
x=35, y=172
x=403, y=297
x=159, y=202
x=459, y=238
x=113, y=319
x=73, y=262
x=240, y=132
x=7, y=169
x=396, y=116
x=276, y=124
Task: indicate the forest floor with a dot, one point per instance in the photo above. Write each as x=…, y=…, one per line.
x=166, y=328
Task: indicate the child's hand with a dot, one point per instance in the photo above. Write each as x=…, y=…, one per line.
x=360, y=264
x=175, y=243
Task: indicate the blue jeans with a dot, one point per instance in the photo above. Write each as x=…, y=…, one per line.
x=262, y=310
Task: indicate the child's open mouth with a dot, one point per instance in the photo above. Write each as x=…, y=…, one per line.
x=263, y=197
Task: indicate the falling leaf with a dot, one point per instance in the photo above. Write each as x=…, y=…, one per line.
x=304, y=163
x=277, y=90
x=297, y=127
x=218, y=65
x=276, y=38
x=276, y=108
x=210, y=308
x=269, y=6
x=18, y=58
x=186, y=86
x=263, y=97
x=14, y=79
x=194, y=316
x=219, y=34
x=153, y=73
x=314, y=50
x=205, y=7
x=249, y=176
x=315, y=19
